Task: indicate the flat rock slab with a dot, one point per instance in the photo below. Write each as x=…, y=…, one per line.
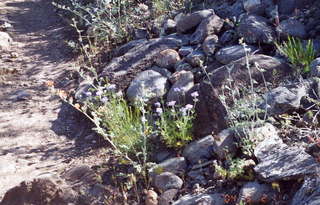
x=280, y=162
x=309, y=193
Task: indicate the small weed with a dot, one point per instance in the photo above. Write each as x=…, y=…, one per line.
x=299, y=55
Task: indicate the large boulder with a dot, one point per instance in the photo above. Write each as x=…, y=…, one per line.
x=190, y=21
x=277, y=161
x=211, y=113
x=147, y=85
x=231, y=53
x=124, y=68
x=292, y=27
x=208, y=26
x=256, y=29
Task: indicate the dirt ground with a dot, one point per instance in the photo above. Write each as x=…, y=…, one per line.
x=38, y=133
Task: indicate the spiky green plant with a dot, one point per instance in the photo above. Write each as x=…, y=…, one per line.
x=299, y=55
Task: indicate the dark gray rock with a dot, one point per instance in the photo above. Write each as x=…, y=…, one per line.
x=281, y=100
x=315, y=68
x=197, y=177
x=185, y=50
x=162, y=71
x=167, y=197
x=147, y=85
x=83, y=91
x=255, y=29
x=190, y=21
x=138, y=58
x=126, y=47
x=140, y=33
x=166, y=181
x=292, y=27
x=177, y=165
x=211, y=113
x=309, y=193
x=255, y=192
x=169, y=26
x=228, y=37
x=253, y=6
x=277, y=161
x=225, y=144
x=199, y=151
x=203, y=199
x=196, y=58
x=20, y=95
x=287, y=7
x=209, y=45
x=182, y=85
x=182, y=65
x=231, y=53
x=210, y=25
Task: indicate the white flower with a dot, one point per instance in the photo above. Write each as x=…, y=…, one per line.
x=104, y=99
x=157, y=104
x=99, y=92
x=183, y=111
x=159, y=110
x=189, y=107
x=88, y=94
x=111, y=87
x=143, y=119
x=195, y=94
x=171, y=103
x=176, y=89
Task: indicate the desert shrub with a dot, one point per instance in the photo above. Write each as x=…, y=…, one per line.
x=299, y=55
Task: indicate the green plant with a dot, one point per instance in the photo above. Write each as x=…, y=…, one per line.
x=299, y=55
x=175, y=123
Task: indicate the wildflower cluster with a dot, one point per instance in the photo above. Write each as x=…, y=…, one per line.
x=175, y=123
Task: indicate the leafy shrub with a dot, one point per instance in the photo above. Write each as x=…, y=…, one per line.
x=298, y=54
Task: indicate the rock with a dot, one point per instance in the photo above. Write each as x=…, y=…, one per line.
x=287, y=7
x=196, y=58
x=20, y=95
x=199, y=151
x=257, y=193
x=39, y=191
x=179, y=89
x=83, y=91
x=182, y=66
x=197, y=176
x=147, y=85
x=81, y=174
x=175, y=165
x=315, y=67
x=167, y=58
x=137, y=59
x=209, y=45
x=203, y=199
x=167, y=197
x=292, y=27
x=140, y=33
x=190, y=21
x=225, y=144
x=253, y=6
x=277, y=161
x=210, y=110
x=126, y=47
x=255, y=29
x=5, y=41
x=281, y=100
x=225, y=10
x=231, y=53
x=185, y=50
x=228, y=37
x=309, y=193
x=166, y=181
x=162, y=71
x=169, y=26
x=210, y=25
x=151, y=197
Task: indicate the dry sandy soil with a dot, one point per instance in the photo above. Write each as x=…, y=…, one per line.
x=38, y=133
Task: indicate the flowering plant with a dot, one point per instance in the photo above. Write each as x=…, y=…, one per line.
x=175, y=123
